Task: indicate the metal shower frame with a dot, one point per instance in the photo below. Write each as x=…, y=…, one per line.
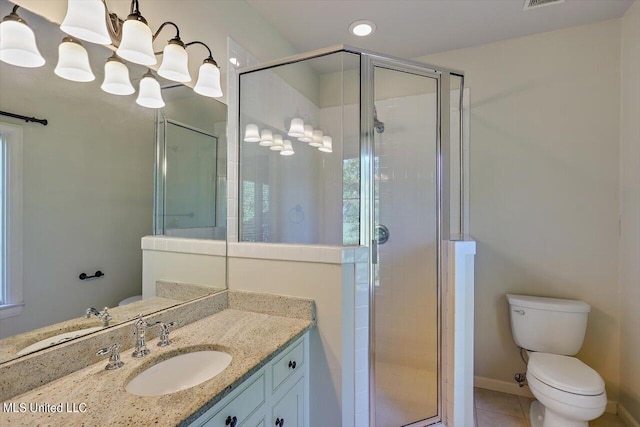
x=368, y=61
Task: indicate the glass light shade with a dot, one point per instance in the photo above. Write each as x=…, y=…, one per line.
x=208, y=83
x=150, y=95
x=116, y=78
x=251, y=133
x=288, y=149
x=308, y=134
x=278, y=144
x=266, y=138
x=327, y=145
x=175, y=63
x=73, y=62
x=137, y=44
x=18, y=45
x=317, y=139
x=296, y=129
x=86, y=20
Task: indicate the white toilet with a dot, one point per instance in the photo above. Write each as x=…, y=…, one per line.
x=568, y=392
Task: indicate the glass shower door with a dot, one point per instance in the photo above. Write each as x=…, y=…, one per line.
x=405, y=341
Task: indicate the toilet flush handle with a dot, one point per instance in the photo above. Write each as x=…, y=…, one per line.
x=520, y=312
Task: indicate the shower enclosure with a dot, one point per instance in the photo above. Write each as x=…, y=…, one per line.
x=347, y=147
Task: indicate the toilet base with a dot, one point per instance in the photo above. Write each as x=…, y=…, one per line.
x=539, y=416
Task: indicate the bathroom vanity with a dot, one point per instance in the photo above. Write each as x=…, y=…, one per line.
x=265, y=383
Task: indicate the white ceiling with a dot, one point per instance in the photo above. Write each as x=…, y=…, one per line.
x=413, y=28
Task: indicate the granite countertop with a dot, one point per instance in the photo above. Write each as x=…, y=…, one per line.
x=9, y=347
x=251, y=338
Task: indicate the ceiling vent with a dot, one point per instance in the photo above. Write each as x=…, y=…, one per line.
x=534, y=4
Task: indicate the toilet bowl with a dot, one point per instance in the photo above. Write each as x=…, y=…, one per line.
x=569, y=392
x=129, y=300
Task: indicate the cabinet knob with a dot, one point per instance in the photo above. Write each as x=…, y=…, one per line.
x=292, y=364
x=280, y=422
x=231, y=421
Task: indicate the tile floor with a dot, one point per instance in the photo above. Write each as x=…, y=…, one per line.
x=495, y=409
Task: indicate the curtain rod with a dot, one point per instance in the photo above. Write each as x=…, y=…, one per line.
x=43, y=122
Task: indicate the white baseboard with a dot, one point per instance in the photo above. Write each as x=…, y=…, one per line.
x=513, y=388
x=502, y=386
x=627, y=418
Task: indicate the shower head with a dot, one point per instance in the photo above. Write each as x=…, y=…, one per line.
x=377, y=124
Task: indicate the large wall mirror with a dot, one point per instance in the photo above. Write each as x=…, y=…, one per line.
x=88, y=185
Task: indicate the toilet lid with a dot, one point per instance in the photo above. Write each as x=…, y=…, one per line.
x=565, y=373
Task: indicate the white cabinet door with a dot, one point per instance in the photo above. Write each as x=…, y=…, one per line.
x=289, y=411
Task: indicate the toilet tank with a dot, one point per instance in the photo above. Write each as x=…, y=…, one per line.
x=549, y=325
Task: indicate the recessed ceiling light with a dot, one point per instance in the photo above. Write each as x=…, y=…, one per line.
x=234, y=61
x=362, y=28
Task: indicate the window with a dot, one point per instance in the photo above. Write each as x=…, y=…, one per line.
x=11, y=302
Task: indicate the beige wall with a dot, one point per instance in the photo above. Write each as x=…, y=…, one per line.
x=544, y=184
x=322, y=283
x=630, y=213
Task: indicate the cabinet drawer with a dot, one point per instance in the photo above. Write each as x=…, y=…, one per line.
x=241, y=407
x=291, y=362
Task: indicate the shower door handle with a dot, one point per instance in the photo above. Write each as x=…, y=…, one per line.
x=382, y=234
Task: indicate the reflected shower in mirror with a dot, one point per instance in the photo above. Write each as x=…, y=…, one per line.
x=191, y=169
x=87, y=194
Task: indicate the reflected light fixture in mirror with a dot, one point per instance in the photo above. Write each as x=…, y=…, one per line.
x=251, y=133
x=266, y=138
x=150, y=94
x=18, y=42
x=288, y=149
x=73, y=62
x=327, y=145
x=278, y=144
x=296, y=129
x=308, y=134
x=85, y=19
x=116, y=77
x=317, y=138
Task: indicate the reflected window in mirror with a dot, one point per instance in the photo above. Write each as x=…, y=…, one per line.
x=10, y=220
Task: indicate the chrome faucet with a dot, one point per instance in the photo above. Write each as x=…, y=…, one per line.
x=102, y=315
x=114, y=359
x=164, y=335
x=139, y=330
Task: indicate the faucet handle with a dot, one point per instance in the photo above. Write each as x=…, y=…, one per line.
x=114, y=359
x=105, y=316
x=164, y=335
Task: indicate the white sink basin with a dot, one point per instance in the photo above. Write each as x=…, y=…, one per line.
x=57, y=339
x=179, y=373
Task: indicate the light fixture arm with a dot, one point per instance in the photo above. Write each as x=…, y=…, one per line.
x=164, y=24
x=209, y=59
x=13, y=16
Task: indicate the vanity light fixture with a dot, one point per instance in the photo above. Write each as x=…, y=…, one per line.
x=308, y=134
x=73, y=62
x=85, y=19
x=91, y=20
x=278, y=143
x=362, y=28
x=18, y=42
x=150, y=94
x=116, y=77
x=175, y=60
x=136, y=44
x=327, y=144
x=266, y=138
x=288, y=149
x=317, y=138
x=296, y=129
x=251, y=133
